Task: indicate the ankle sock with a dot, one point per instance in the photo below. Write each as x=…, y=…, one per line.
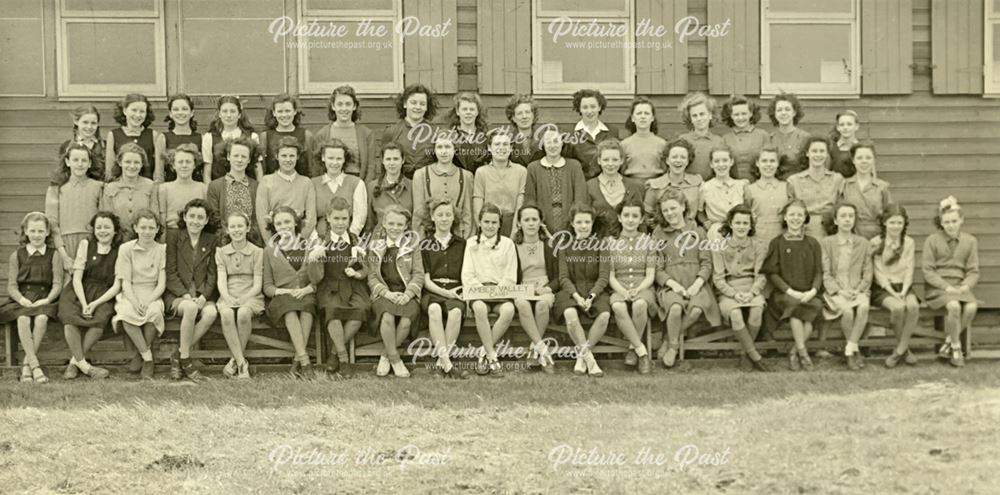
x=147, y=355
x=84, y=366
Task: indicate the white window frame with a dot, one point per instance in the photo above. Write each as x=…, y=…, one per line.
x=992, y=19
x=65, y=17
x=769, y=88
x=344, y=15
x=540, y=16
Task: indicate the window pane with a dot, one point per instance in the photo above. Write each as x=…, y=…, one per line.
x=225, y=9
x=810, y=53
x=96, y=55
x=996, y=7
x=220, y=56
x=21, y=47
x=352, y=58
x=22, y=9
x=811, y=6
x=99, y=6
x=349, y=5
x=569, y=7
x=996, y=53
x=584, y=59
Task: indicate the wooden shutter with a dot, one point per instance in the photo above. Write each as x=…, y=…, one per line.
x=662, y=71
x=734, y=60
x=503, y=46
x=957, y=46
x=886, y=46
x=432, y=61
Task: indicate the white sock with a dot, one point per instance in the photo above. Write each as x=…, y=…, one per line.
x=147, y=355
x=850, y=348
x=641, y=351
x=84, y=366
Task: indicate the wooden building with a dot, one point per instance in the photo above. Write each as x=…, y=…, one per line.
x=921, y=74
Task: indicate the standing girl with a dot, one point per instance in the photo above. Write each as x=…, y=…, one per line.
x=740, y=282
x=844, y=137
x=335, y=183
x=181, y=129
x=191, y=279
x=698, y=115
x=847, y=280
x=951, y=271
x=678, y=159
x=135, y=117
x=396, y=277
x=893, y=252
x=87, y=131
x=442, y=300
x=141, y=268
x=589, y=131
x=467, y=122
x=722, y=192
x=490, y=259
x=344, y=112
x=34, y=280
x=444, y=179
x=522, y=113
x=236, y=191
x=501, y=181
x=767, y=195
x=643, y=150
x=416, y=107
x=631, y=275
x=240, y=267
x=681, y=275
x=72, y=200
x=865, y=191
x=554, y=183
x=87, y=305
x=286, y=188
x=785, y=112
x=287, y=285
x=741, y=114
x=388, y=187
x=817, y=186
x=338, y=270
x=283, y=119
x=794, y=264
x=128, y=192
x=537, y=267
x=230, y=123
x=185, y=162
x=608, y=190
x=583, y=277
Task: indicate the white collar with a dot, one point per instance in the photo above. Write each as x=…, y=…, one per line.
x=287, y=178
x=344, y=238
x=444, y=241
x=558, y=164
x=339, y=181
x=490, y=241
x=32, y=249
x=580, y=126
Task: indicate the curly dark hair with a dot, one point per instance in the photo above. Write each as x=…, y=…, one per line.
x=602, y=101
x=804, y=151
x=453, y=118
x=211, y=216
x=332, y=143
x=767, y=148
x=432, y=104
x=146, y=213
x=243, y=122
x=124, y=104
x=345, y=90
x=193, y=124
x=284, y=209
x=892, y=210
x=518, y=100
x=116, y=169
x=677, y=143
x=116, y=222
x=741, y=209
x=727, y=110
x=790, y=98
x=246, y=142
x=270, y=122
x=63, y=173
x=642, y=100
x=830, y=218
x=543, y=231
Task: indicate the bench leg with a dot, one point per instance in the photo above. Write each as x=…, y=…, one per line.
x=968, y=342
x=318, y=330
x=8, y=345
x=350, y=352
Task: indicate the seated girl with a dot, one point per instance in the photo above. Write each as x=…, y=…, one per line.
x=442, y=296
x=240, y=267
x=539, y=269
x=847, y=279
x=632, y=271
x=894, y=259
x=490, y=259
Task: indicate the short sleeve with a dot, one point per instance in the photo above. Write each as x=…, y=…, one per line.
x=162, y=249
x=123, y=265
x=220, y=261
x=80, y=262
x=258, y=262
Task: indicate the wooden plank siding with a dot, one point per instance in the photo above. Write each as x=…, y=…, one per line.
x=660, y=69
x=957, y=46
x=886, y=46
x=735, y=59
x=432, y=61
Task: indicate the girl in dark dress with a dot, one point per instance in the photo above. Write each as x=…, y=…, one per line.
x=443, y=283
x=794, y=265
x=286, y=284
x=136, y=118
x=583, y=276
x=34, y=280
x=88, y=305
x=181, y=129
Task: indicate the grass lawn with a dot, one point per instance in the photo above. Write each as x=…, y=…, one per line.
x=928, y=429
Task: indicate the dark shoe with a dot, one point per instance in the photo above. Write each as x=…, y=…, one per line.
x=944, y=353
x=805, y=361
x=496, y=369
x=759, y=365
x=296, y=369
x=189, y=371
x=135, y=365
x=98, y=373
x=893, y=360
x=631, y=359
x=910, y=359
x=333, y=365
x=852, y=362
x=456, y=374
x=306, y=371
x=793, y=361
x=746, y=364
x=861, y=359
x=669, y=358
x=146, y=372
x=482, y=367
x=175, y=366
x=645, y=365
x=957, y=359
x=71, y=372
